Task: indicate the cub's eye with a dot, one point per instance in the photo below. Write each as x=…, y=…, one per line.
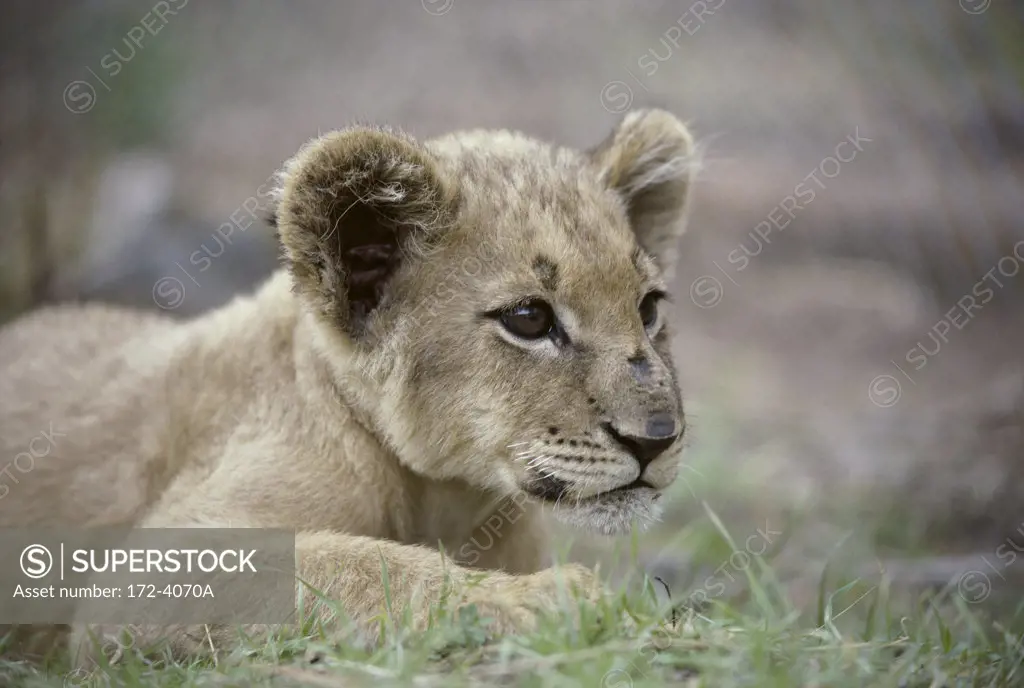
x=531, y=320
x=649, y=308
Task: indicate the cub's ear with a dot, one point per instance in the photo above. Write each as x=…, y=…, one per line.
x=649, y=160
x=351, y=206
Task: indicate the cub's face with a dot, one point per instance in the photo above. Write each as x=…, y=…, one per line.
x=501, y=304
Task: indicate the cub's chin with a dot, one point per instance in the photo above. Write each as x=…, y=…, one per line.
x=611, y=513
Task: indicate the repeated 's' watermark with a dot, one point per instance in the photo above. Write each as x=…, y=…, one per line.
x=617, y=95
x=80, y=95
x=169, y=291
x=975, y=586
x=437, y=7
x=886, y=390
x=707, y=291
x=975, y=6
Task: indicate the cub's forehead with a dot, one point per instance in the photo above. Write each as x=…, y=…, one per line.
x=544, y=210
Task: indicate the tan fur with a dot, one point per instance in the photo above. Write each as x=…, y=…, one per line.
x=362, y=396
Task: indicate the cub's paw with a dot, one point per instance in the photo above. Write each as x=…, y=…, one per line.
x=573, y=579
x=514, y=604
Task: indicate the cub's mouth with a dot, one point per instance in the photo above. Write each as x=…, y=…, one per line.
x=635, y=485
x=553, y=490
x=611, y=512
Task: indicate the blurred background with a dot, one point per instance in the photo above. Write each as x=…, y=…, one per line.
x=849, y=300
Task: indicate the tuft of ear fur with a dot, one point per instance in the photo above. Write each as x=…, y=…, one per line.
x=649, y=161
x=350, y=206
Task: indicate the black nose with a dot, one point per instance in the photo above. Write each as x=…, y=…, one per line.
x=661, y=434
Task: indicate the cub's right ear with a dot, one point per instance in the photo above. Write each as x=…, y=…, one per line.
x=351, y=206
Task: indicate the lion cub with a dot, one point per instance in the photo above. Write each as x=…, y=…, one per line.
x=466, y=329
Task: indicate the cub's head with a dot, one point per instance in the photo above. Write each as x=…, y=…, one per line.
x=494, y=306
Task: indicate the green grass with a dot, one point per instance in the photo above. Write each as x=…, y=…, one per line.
x=858, y=633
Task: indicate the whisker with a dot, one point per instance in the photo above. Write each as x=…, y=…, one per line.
x=539, y=460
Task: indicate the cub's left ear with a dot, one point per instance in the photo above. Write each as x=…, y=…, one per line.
x=649, y=160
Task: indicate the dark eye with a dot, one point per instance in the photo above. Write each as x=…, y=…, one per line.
x=531, y=320
x=649, y=308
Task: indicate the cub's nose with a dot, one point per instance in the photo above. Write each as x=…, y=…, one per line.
x=661, y=433
x=661, y=426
